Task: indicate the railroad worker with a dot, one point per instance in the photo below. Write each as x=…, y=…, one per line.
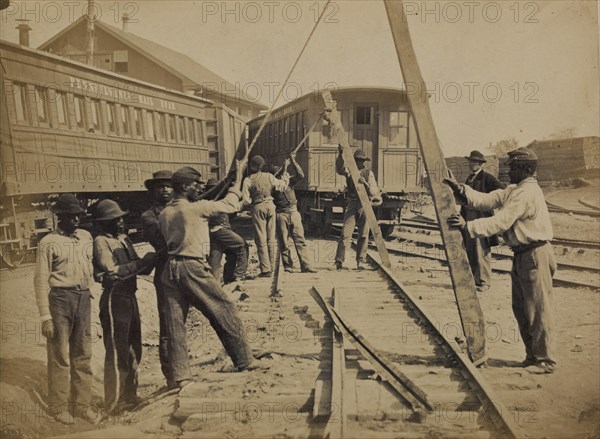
x=354, y=210
x=479, y=250
x=161, y=190
x=523, y=219
x=289, y=220
x=256, y=191
x=187, y=277
x=63, y=276
x=116, y=264
x=223, y=240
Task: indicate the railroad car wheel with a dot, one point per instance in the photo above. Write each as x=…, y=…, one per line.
x=11, y=257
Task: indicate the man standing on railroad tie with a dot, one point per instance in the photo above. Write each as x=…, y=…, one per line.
x=523, y=219
x=256, y=191
x=161, y=189
x=63, y=276
x=354, y=210
x=187, y=278
x=289, y=221
x=479, y=249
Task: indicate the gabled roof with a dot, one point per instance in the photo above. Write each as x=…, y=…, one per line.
x=189, y=71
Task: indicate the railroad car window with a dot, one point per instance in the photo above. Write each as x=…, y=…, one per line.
x=364, y=115
x=79, y=112
x=190, y=131
x=182, y=132
x=95, y=106
x=110, y=117
x=21, y=107
x=171, y=127
x=61, y=109
x=398, y=129
x=41, y=102
x=137, y=113
x=293, y=133
x=150, y=125
x=286, y=124
x=125, y=120
x=200, y=137
x=160, y=127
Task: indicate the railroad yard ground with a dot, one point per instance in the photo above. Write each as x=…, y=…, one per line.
x=278, y=402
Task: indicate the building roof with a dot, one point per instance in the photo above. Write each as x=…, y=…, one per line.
x=192, y=73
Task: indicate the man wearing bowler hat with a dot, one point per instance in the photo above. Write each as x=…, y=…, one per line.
x=223, y=240
x=479, y=249
x=257, y=192
x=116, y=265
x=161, y=190
x=187, y=277
x=63, y=276
x=522, y=217
x=354, y=211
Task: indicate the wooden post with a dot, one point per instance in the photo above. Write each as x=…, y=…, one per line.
x=331, y=106
x=462, y=279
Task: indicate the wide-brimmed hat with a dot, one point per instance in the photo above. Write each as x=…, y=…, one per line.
x=212, y=182
x=476, y=156
x=522, y=155
x=67, y=203
x=359, y=154
x=158, y=177
x=107, y=210
x=186, y=175
x=256, y=163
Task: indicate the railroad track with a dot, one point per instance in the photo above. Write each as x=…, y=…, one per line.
x=394, y=372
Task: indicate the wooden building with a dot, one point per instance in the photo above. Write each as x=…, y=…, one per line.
x=131, y=55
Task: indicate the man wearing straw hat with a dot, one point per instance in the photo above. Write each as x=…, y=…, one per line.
x=223, y=240
x=63, y=276
x=161, y=189
x=479, y=249
x=116, y=265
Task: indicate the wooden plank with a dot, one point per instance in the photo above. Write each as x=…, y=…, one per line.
x=337, y=427
x=331, y=107
x=460, y=272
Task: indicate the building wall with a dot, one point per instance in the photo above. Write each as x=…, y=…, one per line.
x=73, y=45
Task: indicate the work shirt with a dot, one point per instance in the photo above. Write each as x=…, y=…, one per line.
x=63, y=261
x=286, y=200
x=522, y=216
x=116, y=256
x=370, y=186
x=185, y=224
x=257, y=188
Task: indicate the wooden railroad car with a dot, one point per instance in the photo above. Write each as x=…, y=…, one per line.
x=70, y=127
x=377, y=120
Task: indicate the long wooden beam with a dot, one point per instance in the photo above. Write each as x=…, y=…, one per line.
x=331, y=107
x=462, y=279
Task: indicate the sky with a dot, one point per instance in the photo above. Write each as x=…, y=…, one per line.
x=494, y=69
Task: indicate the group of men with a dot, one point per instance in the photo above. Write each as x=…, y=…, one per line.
x=190, y=235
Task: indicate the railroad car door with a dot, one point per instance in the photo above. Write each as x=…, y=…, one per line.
x=365, y=133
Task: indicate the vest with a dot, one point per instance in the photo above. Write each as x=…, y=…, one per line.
x=260, y=187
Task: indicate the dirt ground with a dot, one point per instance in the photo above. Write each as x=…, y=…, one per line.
x=563, y=405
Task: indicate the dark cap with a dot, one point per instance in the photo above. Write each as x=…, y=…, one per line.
x=521, y=155
x=476, y=156
x=157, y=177
x=67, y=203
x=107, y=210
x=212, y=182
x=186, y=175
x=359, y=154
x=256, y=163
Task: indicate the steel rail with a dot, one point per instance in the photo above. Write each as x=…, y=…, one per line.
x=492, y=405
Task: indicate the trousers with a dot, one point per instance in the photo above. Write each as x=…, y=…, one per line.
x=189, y=281
x=226, y=241
x=263, y=219
x=290, y=223
x=354, y=213
x=479, y=254
x=120, y=319
x=532, y=305
x=70, y=351
x=163, y=353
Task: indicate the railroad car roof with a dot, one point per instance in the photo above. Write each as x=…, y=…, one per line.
x=81, y=66
x=348, y=89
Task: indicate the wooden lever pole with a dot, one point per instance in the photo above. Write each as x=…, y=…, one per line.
x=462, y=279
x=331, y=106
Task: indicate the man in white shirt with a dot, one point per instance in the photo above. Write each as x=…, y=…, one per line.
x=523, y=219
